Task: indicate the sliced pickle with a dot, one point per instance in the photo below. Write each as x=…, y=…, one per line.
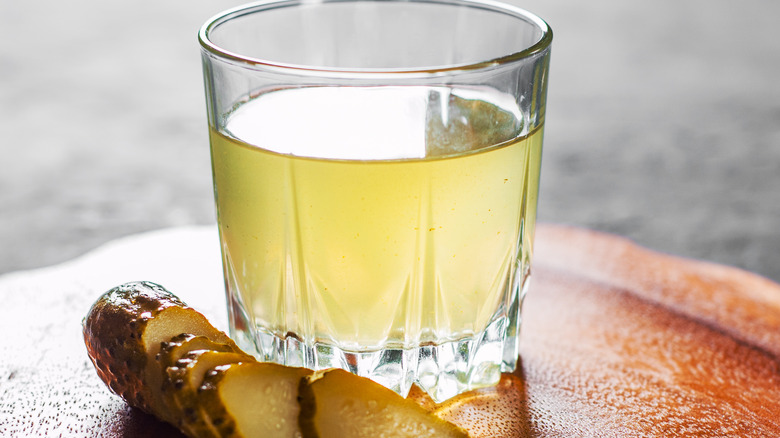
x=123, y=331
x=181, y=386
x=335, y=403
x=179, y=346
x=253, y=400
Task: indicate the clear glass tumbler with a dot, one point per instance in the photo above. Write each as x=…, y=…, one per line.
x=376, y=170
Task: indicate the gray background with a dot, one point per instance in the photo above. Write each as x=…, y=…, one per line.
x=663, y=125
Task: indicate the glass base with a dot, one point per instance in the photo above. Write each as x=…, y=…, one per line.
x=443, y=370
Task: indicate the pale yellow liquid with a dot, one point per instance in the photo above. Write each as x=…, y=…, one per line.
x=375, y=250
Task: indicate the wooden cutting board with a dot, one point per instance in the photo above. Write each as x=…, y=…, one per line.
x=617, y=341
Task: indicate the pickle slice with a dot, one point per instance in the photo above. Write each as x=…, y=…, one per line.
x=253, y=400
x=179, y=346
x=181, y=386
x=335, y=403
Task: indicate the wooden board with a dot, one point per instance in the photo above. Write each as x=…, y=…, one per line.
x=616, y=341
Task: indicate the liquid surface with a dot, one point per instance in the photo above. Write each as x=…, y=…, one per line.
x=408, y=228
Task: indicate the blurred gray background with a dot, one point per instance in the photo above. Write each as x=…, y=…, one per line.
x=663, y=125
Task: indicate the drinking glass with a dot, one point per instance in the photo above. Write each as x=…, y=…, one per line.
x=376, y=170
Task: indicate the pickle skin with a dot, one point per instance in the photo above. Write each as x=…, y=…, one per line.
x=123, y=331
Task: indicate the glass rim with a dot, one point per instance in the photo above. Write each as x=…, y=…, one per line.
x=212, y=48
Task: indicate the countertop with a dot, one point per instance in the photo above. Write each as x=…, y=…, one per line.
x=616, y=341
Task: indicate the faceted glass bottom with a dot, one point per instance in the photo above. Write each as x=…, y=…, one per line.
x=443, y=370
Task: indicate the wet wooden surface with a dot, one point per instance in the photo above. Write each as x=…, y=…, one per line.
x=617, y=341
x=662, y=125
